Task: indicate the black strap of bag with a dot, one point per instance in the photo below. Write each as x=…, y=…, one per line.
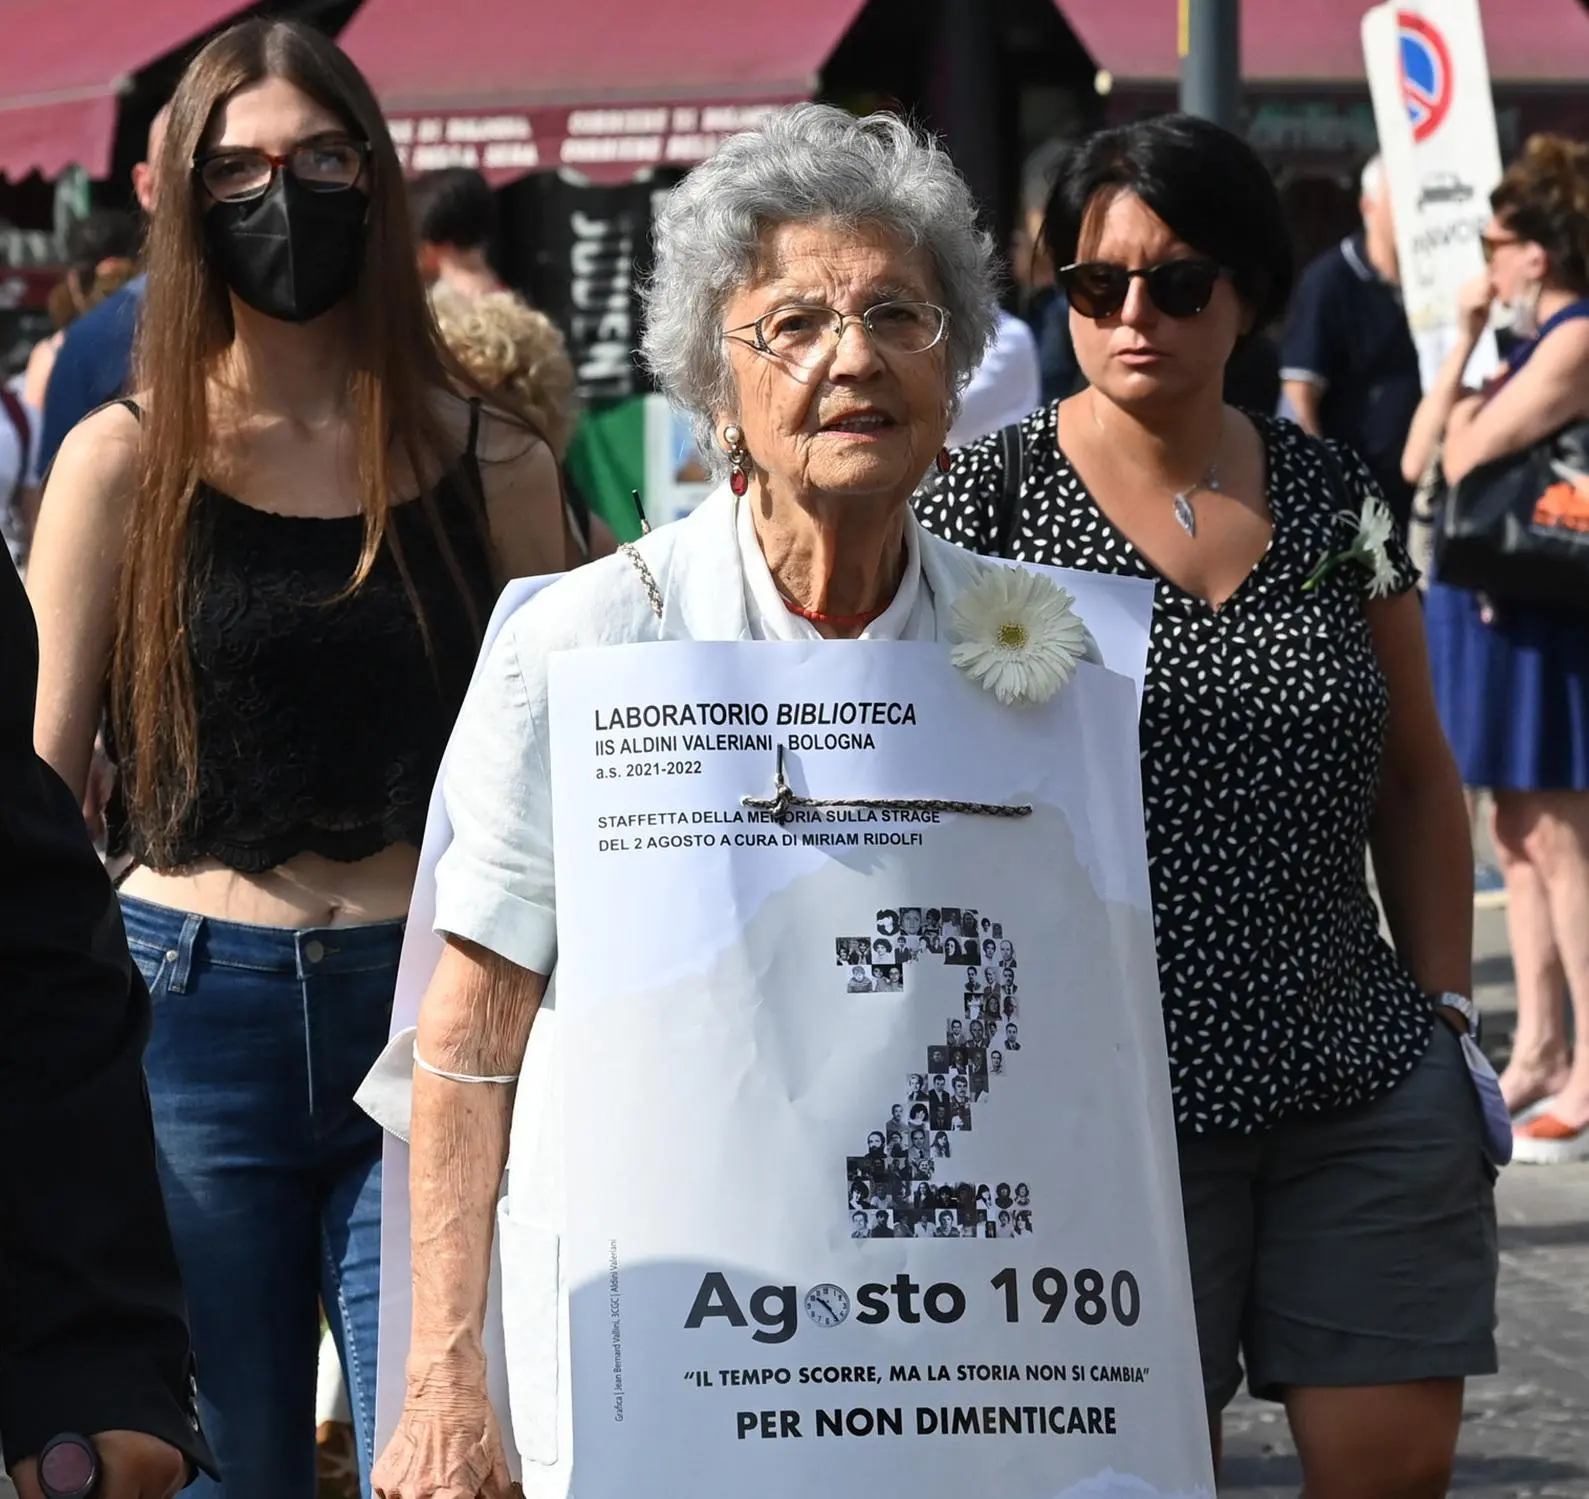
x=1007, y=512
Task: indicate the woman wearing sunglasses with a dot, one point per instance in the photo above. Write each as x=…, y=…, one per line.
x=1512, y=681
x=1330, y=1147
x=274, y=566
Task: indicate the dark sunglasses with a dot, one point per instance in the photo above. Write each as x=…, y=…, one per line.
x=1178, y=288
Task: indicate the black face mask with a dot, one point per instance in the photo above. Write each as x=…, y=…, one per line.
x=291, y=253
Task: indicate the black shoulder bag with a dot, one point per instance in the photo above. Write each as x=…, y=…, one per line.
x=1516, y=529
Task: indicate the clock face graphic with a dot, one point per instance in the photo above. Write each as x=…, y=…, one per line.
x=827, y=1305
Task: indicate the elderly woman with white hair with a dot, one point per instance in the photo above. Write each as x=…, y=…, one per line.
x=822, y=294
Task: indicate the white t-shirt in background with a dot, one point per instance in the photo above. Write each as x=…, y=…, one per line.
x=1008, y=384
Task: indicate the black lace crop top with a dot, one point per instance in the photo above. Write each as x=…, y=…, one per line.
x=322, y=719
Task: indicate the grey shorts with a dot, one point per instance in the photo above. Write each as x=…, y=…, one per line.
x=1356, y=1248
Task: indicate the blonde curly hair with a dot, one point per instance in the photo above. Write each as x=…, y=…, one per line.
x=506, y=345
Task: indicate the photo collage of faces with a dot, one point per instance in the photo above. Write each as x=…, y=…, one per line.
x=898, y=1189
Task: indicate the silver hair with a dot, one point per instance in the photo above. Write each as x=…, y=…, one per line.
x=808, y=164
x=1372, y=181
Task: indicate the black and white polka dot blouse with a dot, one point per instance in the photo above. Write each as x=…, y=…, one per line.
x=1263, y=725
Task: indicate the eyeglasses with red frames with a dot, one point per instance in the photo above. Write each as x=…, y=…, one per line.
x=328, y=164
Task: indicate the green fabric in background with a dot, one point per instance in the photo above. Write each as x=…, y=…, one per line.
x=607, y=460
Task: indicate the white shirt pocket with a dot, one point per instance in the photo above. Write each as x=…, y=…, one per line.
x=530, y=1298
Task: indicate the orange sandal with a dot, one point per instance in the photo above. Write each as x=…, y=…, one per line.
x=1545, y=1141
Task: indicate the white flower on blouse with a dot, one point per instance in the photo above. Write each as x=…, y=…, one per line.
x=1370, y=549
x=1374, y=529
x=1018, y=635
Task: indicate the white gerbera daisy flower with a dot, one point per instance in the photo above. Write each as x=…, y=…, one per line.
x=1019, y=635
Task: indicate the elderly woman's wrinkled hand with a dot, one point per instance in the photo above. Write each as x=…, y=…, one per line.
x=447, y=1446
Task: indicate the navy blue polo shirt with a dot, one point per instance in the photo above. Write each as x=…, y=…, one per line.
x=91, y=367
x=1347, y=334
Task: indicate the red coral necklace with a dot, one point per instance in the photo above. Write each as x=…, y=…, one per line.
x=836, y=621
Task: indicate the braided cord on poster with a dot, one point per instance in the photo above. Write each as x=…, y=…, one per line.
x=784, y=801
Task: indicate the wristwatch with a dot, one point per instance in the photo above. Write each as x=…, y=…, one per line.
x=69, y=1468
x=1464, y=1007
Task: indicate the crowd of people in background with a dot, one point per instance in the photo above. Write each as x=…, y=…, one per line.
x=1511, y=677
x=101, y=258
x=292, y=433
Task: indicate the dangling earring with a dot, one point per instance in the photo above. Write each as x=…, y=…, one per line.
x=943, y=461
x=1536, y=289
x=734, y=441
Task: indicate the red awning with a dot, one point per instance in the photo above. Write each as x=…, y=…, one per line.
x=64, y=65
x=1529, y=41
x=609, y=87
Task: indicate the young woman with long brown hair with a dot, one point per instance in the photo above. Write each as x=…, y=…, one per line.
x=275, y=565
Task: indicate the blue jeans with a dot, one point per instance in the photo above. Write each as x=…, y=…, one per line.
x=272, y=1175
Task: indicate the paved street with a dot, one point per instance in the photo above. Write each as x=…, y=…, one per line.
x=1526, y=1432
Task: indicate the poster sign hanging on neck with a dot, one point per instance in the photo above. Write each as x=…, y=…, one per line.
x=867, y=1156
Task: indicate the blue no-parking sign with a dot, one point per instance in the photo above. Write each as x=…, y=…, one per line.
x=1430, y=83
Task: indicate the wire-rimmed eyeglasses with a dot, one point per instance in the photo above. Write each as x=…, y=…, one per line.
x=806, y=334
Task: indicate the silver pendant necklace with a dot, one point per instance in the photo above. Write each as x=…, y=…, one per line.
x=1181, y=499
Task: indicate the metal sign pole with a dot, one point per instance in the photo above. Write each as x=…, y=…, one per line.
x=1210, y=37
